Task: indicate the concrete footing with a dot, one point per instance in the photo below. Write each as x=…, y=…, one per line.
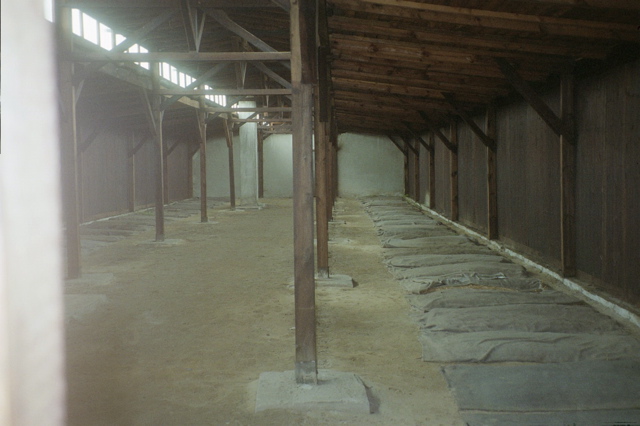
x=335, y=391
x=335, y=280
x=166, y=243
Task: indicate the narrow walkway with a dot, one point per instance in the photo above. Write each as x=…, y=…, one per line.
x=574, y=364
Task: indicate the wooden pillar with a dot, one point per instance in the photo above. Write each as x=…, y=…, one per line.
x=407, y=180
x=322, y=221
x=416, y=170
x=159, y=145
x=131, y=173
x=202, y=127
x=432, y=171
x=260, y=164
x=303, y=76
x=492, y=182
x=232, y=180
x=332, y=163
x=68, y=145
x=453, y=157
x=568, y=177
x=32, y=382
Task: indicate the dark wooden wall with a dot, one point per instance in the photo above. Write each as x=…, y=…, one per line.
x=443, y=179
x=104, y=182
x=528, y=179
x=107, y=171
x=472, y=178
x=608, y=180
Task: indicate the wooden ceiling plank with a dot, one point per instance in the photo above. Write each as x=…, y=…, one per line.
x=406, y=31
x=481, y=18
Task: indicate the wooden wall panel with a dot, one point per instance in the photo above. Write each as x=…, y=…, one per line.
x=179, y=177
x=472, y=177
x=529, y=181
x=104, y=176
x=424, y=173
x=443, y=178
x=608, y=180
x=145, y=175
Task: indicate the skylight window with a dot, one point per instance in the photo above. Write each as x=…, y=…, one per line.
x=106, y=37
x=90, y=29
x=76, y=21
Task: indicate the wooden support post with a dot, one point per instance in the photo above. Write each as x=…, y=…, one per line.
x=131, y=171
x=322, y=221
x=202, y=127
x=492, y=181
x=232, y=180
x=568, y=177
x=32, y=379
x=453, y=158
x=303, y=76
x=68, y=144
x=165, y=168
x=331, y=169
x=160, y=157
x=416, y=170
x=260, y=164
x=432, y=172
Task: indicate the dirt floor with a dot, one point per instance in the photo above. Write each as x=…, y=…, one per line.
x=178, y=333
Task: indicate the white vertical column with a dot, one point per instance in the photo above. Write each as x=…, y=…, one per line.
x=248, y=159
x=31, y=304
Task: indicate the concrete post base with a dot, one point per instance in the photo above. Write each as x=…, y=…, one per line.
x=335, y=280
x=335, y=391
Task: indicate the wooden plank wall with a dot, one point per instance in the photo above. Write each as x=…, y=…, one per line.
x=179, y=176
x=472, y=178
x=608, y=181
x=443, y=199
x=105, y=174
x=529, y=181
x=424, y=173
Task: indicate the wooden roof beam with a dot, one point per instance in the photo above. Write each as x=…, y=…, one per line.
x=180, y=56
x=434, y=128
x=527, y=92
x=429, y=147
x=193, y=24
x=127, y=43
x=223, y=19
x=488, y=141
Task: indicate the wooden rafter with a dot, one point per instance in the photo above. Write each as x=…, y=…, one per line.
x=488, y=141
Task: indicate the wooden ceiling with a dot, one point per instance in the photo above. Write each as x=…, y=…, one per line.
x=395, y=65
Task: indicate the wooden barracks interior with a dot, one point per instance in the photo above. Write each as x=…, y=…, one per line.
x=177, y=178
